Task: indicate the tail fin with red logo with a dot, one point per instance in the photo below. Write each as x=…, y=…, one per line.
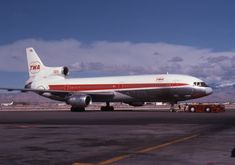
x=35, y=65
x=37, y=70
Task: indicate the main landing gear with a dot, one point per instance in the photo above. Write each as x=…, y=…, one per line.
x=172, y=108
x=107, y=107
x=103, y=108
x=77, y=109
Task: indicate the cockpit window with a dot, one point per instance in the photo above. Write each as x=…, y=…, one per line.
x=200, y=84
x=203, y=84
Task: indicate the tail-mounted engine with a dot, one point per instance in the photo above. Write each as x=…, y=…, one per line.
x=64, y=71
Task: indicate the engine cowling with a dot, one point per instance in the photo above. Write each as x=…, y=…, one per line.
x=65, y=70
x=79, y=100
x=136, y=104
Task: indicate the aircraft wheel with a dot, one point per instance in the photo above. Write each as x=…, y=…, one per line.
x=172, y=110
x=107, y=108
x=102, y=108
x=207, y=109
x=111, y=108
x=192, y=109
x=77, y=109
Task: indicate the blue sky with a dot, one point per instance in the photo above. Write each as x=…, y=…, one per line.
x=202, y=23
x=197, y=24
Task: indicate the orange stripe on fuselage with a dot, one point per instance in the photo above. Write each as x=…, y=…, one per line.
x=88, y=87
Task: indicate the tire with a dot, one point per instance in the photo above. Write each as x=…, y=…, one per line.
x=105, y=108
x=102, y=108
x=192, y=109
x=77, y=109
x=207, y=109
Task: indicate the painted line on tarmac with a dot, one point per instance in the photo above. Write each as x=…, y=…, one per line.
x=82, y=164
x=142, y=151
x=114, y=159
x=155, y=148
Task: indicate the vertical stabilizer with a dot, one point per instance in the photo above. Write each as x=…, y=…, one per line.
x=35, y=64
x=38, y=71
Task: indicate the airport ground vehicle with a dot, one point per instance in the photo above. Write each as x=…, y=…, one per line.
x=206, y=107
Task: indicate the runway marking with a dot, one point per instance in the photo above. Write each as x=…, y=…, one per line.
x=145, y=150
x=154, y=148
x=26, y=126
x=114, y=159
x=82, y=164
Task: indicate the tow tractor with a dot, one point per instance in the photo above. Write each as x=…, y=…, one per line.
x=204, y=107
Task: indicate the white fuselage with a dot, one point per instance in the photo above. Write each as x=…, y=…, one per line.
x=164, y=87
x=52, y=82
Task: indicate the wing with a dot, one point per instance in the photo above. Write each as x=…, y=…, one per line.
x=64, y=94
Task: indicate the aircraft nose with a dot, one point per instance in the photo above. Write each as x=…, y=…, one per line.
x=209, y=91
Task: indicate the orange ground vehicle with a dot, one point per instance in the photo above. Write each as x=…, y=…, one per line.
x=205, y=108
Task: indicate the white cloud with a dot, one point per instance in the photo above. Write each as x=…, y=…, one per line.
x=132, y=58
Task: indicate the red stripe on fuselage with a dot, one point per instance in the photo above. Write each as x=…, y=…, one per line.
x=88, y=87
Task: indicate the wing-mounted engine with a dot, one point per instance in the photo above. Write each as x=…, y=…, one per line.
x=79, y=100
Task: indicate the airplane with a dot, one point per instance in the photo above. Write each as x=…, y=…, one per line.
x=7, y=104
x=135, y=90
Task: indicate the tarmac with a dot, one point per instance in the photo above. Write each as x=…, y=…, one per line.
x=117, y=138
